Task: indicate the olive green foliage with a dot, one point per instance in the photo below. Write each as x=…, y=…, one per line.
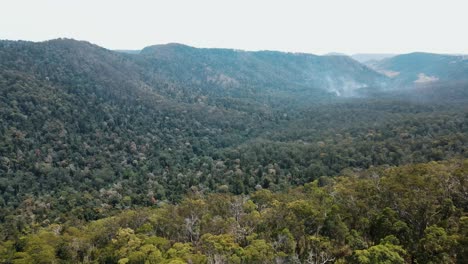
x=184, y=155
x=419, y=211
x=86, y=131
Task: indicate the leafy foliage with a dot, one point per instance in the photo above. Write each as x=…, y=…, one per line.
x=381, y=215
x=178, y=155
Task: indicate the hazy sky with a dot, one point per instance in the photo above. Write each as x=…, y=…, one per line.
x=349, y=26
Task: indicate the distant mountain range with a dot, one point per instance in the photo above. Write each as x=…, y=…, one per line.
x=187, y=74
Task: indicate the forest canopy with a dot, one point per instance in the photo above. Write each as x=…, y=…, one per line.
x=408, y=214
x=184, y=155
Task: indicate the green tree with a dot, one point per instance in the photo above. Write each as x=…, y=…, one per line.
x=259, y=251
x=384, y=253
x=436, y=246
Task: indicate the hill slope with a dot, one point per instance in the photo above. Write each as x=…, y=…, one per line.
x=246, y=74
x=424, y=68
x=83, y=126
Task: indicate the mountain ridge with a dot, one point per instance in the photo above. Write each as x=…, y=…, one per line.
x=412, y=68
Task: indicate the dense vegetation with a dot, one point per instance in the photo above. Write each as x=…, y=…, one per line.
x=195, y=155
x=413, y=213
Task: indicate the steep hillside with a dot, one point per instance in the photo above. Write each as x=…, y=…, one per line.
x=261, y=74
x=74, y=114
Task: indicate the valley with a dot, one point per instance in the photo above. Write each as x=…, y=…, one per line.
x=175, y=154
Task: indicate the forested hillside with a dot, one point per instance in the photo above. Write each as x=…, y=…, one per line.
x=263, y=74
x=420, y=68
x=90, y=137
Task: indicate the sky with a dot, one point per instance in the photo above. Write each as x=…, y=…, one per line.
x=319, y=27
